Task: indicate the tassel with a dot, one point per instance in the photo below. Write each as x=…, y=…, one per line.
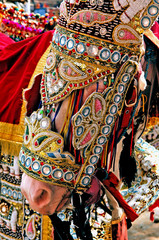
x=82, y=227
x=112, y=78
x=144, y=100
x=79, y=157
x=127, y=163
x=109, y=80
x=153, y=206
x=102, y=158
x=112, y=146
x=105, y=154
x=53, y=107
x=110, y=184
x=97, y=86
x=105, y=81
x=152, y=216
x=61, y=228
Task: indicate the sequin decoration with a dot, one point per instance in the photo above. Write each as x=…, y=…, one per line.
x=115, y=57
x=101, y=140
x=80, y=48
x=28, y=162
x=97, y=150
x=70, y=44
x=46, y=170
x=88, y=18
x=35, y=166
x=50, y=61
x=89, y=169
x=106, y=130
x=98, y=112
x=109, y=120
x=145, y=22
x=45, y=123
x=63, y=40
x=104, y=54
x=57, y=173
x=94, y=159
x=68, y=176
x=153, y=10
x=85, y=181
x=93, y=50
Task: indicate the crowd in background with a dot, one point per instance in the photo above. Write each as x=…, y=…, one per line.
x=20, y=25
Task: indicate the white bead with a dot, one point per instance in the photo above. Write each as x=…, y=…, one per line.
x=93, y=51
x=60, y=83
x=56, y=88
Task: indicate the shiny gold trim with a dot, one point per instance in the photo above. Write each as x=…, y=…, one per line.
x=38, y=70
x=102, y=41
x=46, y=228
x=11, y=138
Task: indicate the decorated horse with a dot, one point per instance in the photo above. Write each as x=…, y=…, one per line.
x=78, y=145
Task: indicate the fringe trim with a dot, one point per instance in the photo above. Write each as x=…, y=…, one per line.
x=11, y=138
x=46, y=228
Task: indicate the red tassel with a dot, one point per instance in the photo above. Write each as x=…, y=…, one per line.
x=75, y=111
x=102, y=158
x=79, y=158
x=153, y=206
x=78, y=100
x=112, y=145
x=152, y=216
x=109, y=184
x=70, y=146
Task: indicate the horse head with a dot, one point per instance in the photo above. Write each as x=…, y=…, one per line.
x=90, y=90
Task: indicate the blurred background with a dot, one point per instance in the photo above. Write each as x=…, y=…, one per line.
x=36, y=6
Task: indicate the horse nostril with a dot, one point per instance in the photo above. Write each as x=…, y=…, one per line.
x=42, y=195
x=41, y=198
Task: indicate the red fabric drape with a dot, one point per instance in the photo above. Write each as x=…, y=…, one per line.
x=4, y=41
x=119, y=230
x=110, y=183
x=17, y=64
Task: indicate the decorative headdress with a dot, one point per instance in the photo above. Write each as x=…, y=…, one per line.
x=94, y=39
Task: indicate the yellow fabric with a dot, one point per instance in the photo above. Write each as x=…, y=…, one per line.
x=46, y=228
